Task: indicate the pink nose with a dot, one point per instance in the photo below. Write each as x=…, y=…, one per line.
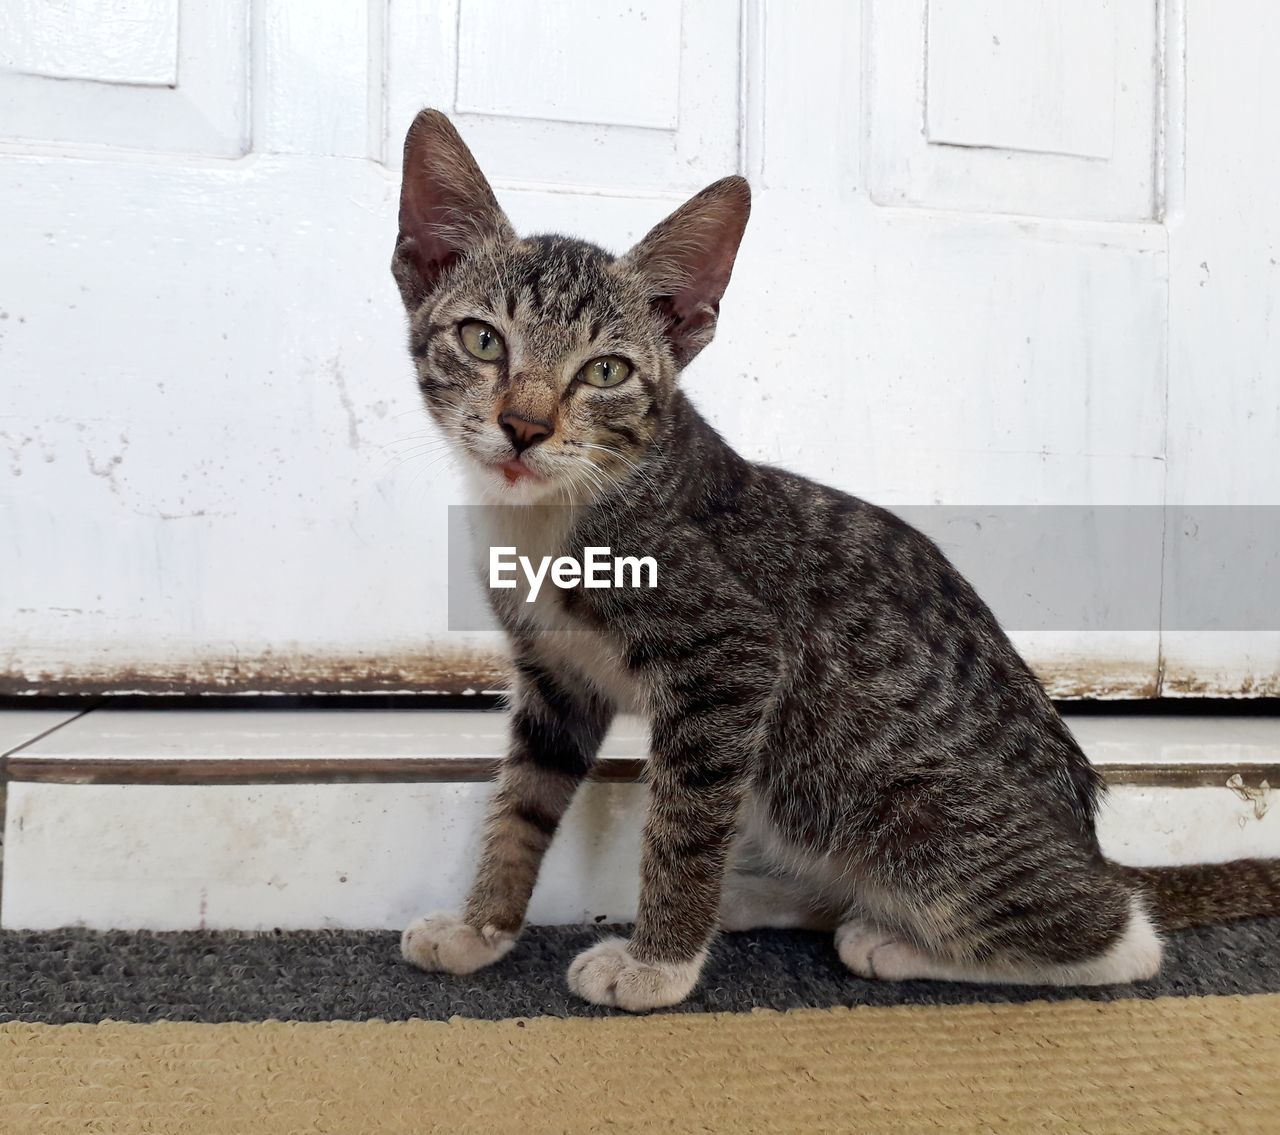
x=523, y=432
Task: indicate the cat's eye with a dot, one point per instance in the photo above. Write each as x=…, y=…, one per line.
x=605, y=372
x=482, y=341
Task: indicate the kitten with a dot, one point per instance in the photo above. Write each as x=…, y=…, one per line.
x=842, y=735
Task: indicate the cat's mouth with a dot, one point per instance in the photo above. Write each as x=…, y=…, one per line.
x=514, y=470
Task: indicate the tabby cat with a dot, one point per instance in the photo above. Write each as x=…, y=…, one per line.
x=842, y=735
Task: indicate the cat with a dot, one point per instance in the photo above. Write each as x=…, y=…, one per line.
x=842, y=736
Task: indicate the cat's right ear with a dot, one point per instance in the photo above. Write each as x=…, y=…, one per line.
x=446, y=207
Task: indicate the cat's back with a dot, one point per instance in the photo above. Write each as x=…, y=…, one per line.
x=895, y=665
x=819, y=552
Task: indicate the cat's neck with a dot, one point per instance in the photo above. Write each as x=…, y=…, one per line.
x=704, y=469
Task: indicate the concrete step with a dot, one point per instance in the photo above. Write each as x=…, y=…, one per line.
x=256, y=819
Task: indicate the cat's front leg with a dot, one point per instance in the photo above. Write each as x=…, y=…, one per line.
x=702, y=755
x=556, y=730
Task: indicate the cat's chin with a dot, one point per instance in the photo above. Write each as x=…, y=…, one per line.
x=494, y=484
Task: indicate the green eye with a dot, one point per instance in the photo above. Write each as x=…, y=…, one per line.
x=482, y=341
x=604, y=372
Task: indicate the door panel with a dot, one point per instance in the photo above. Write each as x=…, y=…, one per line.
x=998, y=75
x=621, y=98
x=1039, y=107
x=154, y=75
x=133, y=43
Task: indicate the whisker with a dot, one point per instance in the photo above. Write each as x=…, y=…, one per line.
x=633, y=466
x=589, y=475
x=420, y=436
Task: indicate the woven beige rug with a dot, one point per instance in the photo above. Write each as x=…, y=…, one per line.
x=1173, y=1064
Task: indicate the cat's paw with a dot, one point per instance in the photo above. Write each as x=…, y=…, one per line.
x=444, y=943
x=608, y=974
x=879, y=955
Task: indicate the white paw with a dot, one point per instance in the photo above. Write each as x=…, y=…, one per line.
x=607, y=974
x=874, y=953
x=443, y=942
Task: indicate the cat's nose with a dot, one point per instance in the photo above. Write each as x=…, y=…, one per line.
x=523, y=432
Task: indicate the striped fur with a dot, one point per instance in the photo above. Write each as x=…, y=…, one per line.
x=842, y=735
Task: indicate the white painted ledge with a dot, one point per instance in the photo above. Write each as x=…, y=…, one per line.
x=19, y=727
x=440, y=745
x=1154, y=739
x=255, y=856
x=468, y=735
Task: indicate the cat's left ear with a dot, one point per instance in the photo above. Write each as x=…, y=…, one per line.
x=688, y=259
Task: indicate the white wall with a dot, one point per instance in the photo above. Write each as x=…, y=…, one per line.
x=992, y=215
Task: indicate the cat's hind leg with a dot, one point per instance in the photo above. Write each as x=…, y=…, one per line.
x=751, y=901
x=871, y=951
x=765, y=888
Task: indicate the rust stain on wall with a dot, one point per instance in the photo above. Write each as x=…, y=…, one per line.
x=436, y=672
x=1251, y=686
x=1084, y=678
x=472, y=672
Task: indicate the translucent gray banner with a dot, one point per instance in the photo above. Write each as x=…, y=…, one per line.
x=1044, y=568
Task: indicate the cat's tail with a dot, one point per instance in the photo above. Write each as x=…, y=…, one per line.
x=1208, y=893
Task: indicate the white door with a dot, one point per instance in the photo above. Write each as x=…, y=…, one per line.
x=1034, y=238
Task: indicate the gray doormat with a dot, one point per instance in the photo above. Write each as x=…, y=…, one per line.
x=67, y=976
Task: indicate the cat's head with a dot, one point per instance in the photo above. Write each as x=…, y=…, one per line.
x=548, y=362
